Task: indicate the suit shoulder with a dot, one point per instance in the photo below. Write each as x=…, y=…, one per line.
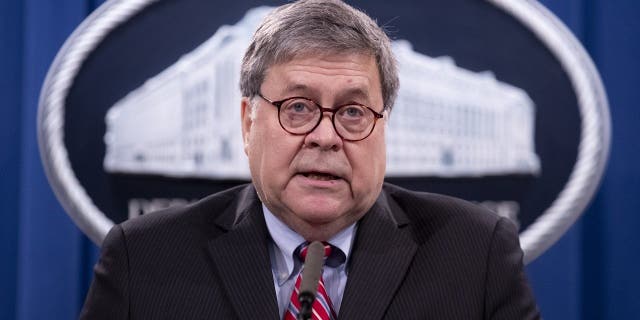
x=199, y=215
x=447, y=225
x=431, y=208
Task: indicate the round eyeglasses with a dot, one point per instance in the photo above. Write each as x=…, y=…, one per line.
x=299, y=116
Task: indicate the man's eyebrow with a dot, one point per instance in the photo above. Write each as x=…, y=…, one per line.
x=355, y=94
x=351, y=92
x=296, y=87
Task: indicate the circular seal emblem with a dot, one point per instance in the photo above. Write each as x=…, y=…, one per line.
x=498, y=104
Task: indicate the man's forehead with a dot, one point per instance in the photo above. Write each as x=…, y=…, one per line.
x=320, y=56
x=318, y=51
x=302, y=73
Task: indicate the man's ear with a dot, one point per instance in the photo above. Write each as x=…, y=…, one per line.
x=245, y=115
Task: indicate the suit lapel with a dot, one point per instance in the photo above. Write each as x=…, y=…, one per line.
x=382, y=253
x=242, y=259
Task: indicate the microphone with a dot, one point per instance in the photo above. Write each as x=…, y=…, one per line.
x=310, y=277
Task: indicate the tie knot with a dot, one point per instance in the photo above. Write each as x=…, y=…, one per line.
x=305, y=247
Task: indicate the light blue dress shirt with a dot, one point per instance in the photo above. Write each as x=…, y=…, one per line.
x=285, y=268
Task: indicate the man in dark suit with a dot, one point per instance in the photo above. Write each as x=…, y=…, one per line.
x=319, y=81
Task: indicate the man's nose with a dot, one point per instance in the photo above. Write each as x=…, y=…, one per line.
x=324, y=136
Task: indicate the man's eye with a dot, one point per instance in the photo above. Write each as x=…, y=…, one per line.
x=298, y=106
x=353, y=111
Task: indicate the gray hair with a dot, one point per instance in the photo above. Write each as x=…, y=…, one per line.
x=312, y=26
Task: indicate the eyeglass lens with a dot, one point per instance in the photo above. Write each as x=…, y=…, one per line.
x=301, y=116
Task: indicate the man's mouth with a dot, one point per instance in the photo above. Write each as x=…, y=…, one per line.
x=320, y=176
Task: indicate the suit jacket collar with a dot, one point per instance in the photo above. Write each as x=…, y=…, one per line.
x=242, y=258
x=382, y=253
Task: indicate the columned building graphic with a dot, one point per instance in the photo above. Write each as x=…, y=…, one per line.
x=447, y=121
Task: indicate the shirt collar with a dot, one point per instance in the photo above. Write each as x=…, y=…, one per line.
x=286, y=241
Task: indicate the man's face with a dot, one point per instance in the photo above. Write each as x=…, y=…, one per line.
x=316, y=183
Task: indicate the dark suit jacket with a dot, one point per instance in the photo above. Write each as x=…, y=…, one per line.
x=415, y=256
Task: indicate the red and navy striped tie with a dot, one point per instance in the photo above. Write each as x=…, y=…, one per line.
x=322, y=309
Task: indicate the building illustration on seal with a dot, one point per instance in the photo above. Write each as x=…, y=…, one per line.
x=447, y=121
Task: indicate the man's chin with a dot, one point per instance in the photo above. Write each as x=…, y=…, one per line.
x=319, y=207
x=317, y=214
x=318, y=217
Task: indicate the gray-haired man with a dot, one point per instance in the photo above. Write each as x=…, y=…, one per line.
x=318, y=83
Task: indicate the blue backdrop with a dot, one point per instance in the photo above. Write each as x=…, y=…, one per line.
x=45, y=261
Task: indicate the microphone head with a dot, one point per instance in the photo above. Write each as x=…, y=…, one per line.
x=312, y=269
